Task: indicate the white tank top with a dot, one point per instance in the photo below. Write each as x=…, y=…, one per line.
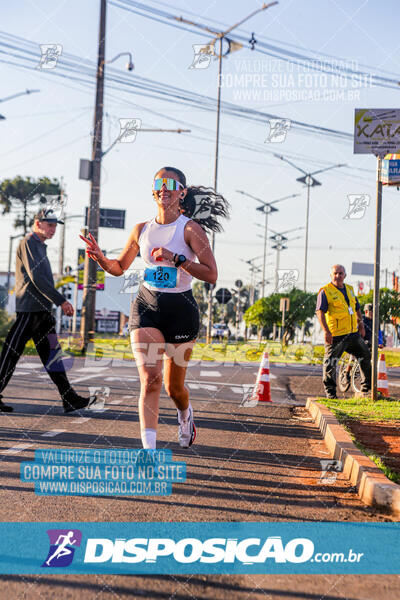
x=171, y=237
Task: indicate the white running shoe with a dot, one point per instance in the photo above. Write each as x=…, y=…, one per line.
x=187, y=430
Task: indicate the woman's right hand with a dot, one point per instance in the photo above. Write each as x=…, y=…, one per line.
x=92, y=248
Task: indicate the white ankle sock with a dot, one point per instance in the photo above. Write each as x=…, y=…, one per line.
x=183, y=414
x=149, y=438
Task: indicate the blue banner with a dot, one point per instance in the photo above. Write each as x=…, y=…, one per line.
x=209, y=548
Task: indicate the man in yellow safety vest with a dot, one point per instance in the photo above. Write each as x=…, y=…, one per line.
x=339, y=314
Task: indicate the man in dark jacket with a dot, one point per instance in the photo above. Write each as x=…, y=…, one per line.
x=35, y=295
x=368, y=321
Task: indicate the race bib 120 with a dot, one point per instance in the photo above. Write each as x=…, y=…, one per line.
x=161, y=277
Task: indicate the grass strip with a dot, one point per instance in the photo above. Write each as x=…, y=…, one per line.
x=348, y=410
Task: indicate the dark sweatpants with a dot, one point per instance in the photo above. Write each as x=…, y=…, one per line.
x=353, y=344
x=40, y=326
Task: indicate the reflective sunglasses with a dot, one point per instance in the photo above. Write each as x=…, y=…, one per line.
x=171, y=184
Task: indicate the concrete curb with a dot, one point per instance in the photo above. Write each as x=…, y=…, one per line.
x=373, y=487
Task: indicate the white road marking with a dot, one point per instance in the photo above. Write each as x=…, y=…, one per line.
x=52, y=432
x=130, y=378
x=81, y=420
x=210, y=373
x=16, y=449
x=127, y=397
x=91, y=369
x=193, y=386
x=197, y=381
x=118, y=400
x=84, y=378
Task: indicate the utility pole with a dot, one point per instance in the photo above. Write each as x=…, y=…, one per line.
x=310, y=182
x=266, y=208
x=90, y=270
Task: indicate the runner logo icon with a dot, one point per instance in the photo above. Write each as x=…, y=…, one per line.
x=61, y=551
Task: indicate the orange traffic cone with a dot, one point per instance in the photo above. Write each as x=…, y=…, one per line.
x=382, y=378
x=262, y=389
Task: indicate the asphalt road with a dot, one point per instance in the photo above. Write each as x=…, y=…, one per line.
x=248, y=464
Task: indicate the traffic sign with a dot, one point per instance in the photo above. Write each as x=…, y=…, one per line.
x=284, y=304
x=390, y=172
x=223, y=295
x=239, y=283
x=376, y=131
x=113, y=218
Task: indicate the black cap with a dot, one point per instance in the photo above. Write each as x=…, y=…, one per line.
x=48, y=215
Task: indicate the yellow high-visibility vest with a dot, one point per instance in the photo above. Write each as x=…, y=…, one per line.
x=340, y=318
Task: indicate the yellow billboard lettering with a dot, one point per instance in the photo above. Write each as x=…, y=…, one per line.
x=396, y=132
x=378, y=129
x=361, y=130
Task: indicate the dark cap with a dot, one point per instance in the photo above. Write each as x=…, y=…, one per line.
x=48, y=215
x=369, y=307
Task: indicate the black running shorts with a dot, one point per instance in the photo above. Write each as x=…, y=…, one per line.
x=176, y=315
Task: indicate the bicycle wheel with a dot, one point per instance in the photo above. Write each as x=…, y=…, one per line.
x=344, y=378
x=356, y=377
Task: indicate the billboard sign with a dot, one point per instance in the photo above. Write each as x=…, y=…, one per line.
x=376, y=131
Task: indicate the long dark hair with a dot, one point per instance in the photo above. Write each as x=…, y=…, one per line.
x=202, y=204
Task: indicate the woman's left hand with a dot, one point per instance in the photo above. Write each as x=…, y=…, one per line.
x=160, y=254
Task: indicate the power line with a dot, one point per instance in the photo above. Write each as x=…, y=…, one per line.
x=279, y=52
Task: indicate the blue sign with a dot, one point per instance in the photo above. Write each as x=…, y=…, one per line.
x=209, y=548
x=390, y=172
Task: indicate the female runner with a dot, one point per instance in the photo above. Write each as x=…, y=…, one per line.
x=165, y=314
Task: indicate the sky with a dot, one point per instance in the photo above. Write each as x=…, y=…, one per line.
x=47, y=133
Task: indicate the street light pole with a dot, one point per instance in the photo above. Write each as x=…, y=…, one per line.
x=280, y=239
x=266, y=208
x=220, y=35
x=309, y=181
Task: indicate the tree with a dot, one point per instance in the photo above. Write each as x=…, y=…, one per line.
x=22, y=194
x=200, y=295
x=389, y=304
x=265, y=312
x=5, y=323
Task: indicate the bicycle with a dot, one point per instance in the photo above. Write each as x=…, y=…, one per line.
x=349, y=373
